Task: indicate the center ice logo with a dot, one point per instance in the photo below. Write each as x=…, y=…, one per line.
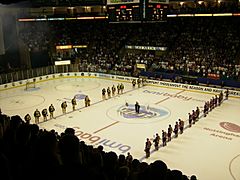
x=145, y=112
x=129, y=112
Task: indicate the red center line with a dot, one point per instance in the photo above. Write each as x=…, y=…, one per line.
x=169, y=97
x=106, y=127
x=162, y=100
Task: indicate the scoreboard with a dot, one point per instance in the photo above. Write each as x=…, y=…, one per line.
x=137, y=10
x=156, y=12
x=126, y=12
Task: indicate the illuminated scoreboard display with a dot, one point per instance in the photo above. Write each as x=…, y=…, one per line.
x=137, y=10
x=124, y=12
x=156, y=12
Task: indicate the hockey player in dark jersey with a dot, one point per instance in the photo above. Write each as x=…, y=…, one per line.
x=181, y=125
x=87, y=101
x=64, y=107
x=74, y=103
x=113, y=90
x=44, y=114
x=164, y=138
x=220, y=98
x=109, y=92
x=121, y=87
x=197, y=113
x=118, y=88
x=139, y=82
x=134, y=82
x=190, y=119
x=194, y=116
x=148, y=145
x=216, y=101
x=226, y=94
x=176, y=129
x=104, y=93
x=156, y=141
x=170, y=130
x=37, y=115
x=51, y=110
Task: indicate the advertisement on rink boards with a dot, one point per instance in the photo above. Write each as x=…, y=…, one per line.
x=192, y=87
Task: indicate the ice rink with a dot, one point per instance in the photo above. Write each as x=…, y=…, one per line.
x=210, y=149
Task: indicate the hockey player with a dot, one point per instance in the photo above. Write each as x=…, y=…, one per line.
x=118, y=88
x=197, y=113
x=208, y=106
x=144, y=81
x=109, y=92
x=181, y=125
x=148, y=145
x=156, y=141
x=51, y=109
x=220, y=98
x=139, y=82
x=170, y=130
x=211, y=104
x=216, y=101
x=113, y=90
x=27, y=118
x=190, y=119
x=134, y=82
x=176, y=129
x=74, y=103
x=87, y=101
x=44, y=114
x=193, y=116
x=121, y=87
x=164, y=138
x=37, y=115
x=227, y=93
x=205, y=109
x=104, y=93
x=64, y=107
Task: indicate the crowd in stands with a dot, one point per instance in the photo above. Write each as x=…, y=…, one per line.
x=28, y=152
x=204, y=47
x=199, y=46
x=195, y=7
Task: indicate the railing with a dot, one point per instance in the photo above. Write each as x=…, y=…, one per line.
x=32, y=73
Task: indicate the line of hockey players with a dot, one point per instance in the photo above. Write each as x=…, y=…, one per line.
x=139, y=82
x=112, y=91
x=193, y=117
x=44, y=113
x=108, y=92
